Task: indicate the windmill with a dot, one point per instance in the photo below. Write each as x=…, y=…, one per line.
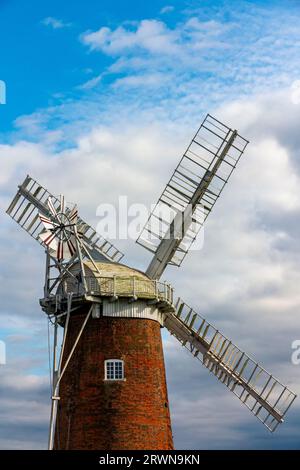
x=108, y=379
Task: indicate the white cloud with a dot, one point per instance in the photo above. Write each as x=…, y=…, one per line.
x=221, y=53
x=92, y=83
x=29, y=382
x=151, y=35
x=156, y=38
x=132, y=81
x=55, y=23
x=24, y=411
x=167, y=9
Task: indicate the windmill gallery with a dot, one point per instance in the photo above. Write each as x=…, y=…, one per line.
x=109, y=388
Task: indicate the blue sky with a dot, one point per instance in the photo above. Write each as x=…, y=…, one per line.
x=102, y=99
x=40, y=62
x=44, y=65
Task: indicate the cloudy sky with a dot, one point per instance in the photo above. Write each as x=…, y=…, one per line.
x=102, y=100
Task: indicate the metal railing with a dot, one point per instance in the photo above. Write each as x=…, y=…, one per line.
x=119, y=286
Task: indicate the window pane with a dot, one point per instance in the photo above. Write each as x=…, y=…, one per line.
x=114, y=370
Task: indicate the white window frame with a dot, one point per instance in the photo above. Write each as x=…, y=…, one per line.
x=114, y=362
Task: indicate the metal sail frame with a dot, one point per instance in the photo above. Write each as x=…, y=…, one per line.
x=261, y=392
x=190, y=194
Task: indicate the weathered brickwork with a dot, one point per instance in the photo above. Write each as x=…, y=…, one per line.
x=130, y=414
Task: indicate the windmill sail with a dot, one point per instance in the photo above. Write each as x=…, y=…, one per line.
x=191, y=193
x=260, y=391
x=31, y=201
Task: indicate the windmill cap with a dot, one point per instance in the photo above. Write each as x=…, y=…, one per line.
x=110, y=269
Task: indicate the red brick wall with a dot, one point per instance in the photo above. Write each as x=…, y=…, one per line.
x=131, y=414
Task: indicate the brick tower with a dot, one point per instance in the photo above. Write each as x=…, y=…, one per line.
x=113, y=394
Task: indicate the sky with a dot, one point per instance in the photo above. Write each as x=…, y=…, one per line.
x=102, y=98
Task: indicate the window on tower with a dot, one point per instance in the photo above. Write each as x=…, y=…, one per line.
x=114, y=369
